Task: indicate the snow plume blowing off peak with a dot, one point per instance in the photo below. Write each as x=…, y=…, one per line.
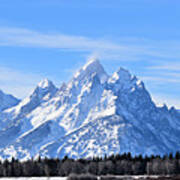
x=92, y=66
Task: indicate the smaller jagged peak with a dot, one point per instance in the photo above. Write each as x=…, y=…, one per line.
x=122, y=70
x=45, y=83
x=123, y=80
x=121, y=75
x=124, y=75
x=44, y=87
x=42, y=93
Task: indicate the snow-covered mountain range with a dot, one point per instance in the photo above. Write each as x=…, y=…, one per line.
x=92, y=115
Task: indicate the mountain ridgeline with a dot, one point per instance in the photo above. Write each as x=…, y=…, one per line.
x=7, y=101
x=94, y=114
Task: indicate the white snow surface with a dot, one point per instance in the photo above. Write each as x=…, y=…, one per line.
x=91, y=115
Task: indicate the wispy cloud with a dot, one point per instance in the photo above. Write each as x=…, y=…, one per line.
x=25, y=37
x=171, y=66
x=161, y=78
x=164, y=72
x=135, y=49
x=122, y=49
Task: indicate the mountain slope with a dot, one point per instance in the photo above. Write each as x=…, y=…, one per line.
x=15, y=121
x=92, y=115
x=7, y=101
x=125, y=120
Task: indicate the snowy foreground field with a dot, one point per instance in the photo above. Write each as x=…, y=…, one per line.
x=64, y=178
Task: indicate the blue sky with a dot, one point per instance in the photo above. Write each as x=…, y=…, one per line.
x=53, y=38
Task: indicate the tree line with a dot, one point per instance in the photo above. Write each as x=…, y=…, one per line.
x=123, y=164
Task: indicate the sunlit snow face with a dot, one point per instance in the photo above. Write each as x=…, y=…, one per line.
x=93, y=66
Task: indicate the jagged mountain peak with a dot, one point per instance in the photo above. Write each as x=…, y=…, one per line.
x=122, y=71
x=44, y=87
x=122, y=79
x=92, y=62
x=44, y=91
x=122, y=75
x=91, y=67
x=45, y=83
